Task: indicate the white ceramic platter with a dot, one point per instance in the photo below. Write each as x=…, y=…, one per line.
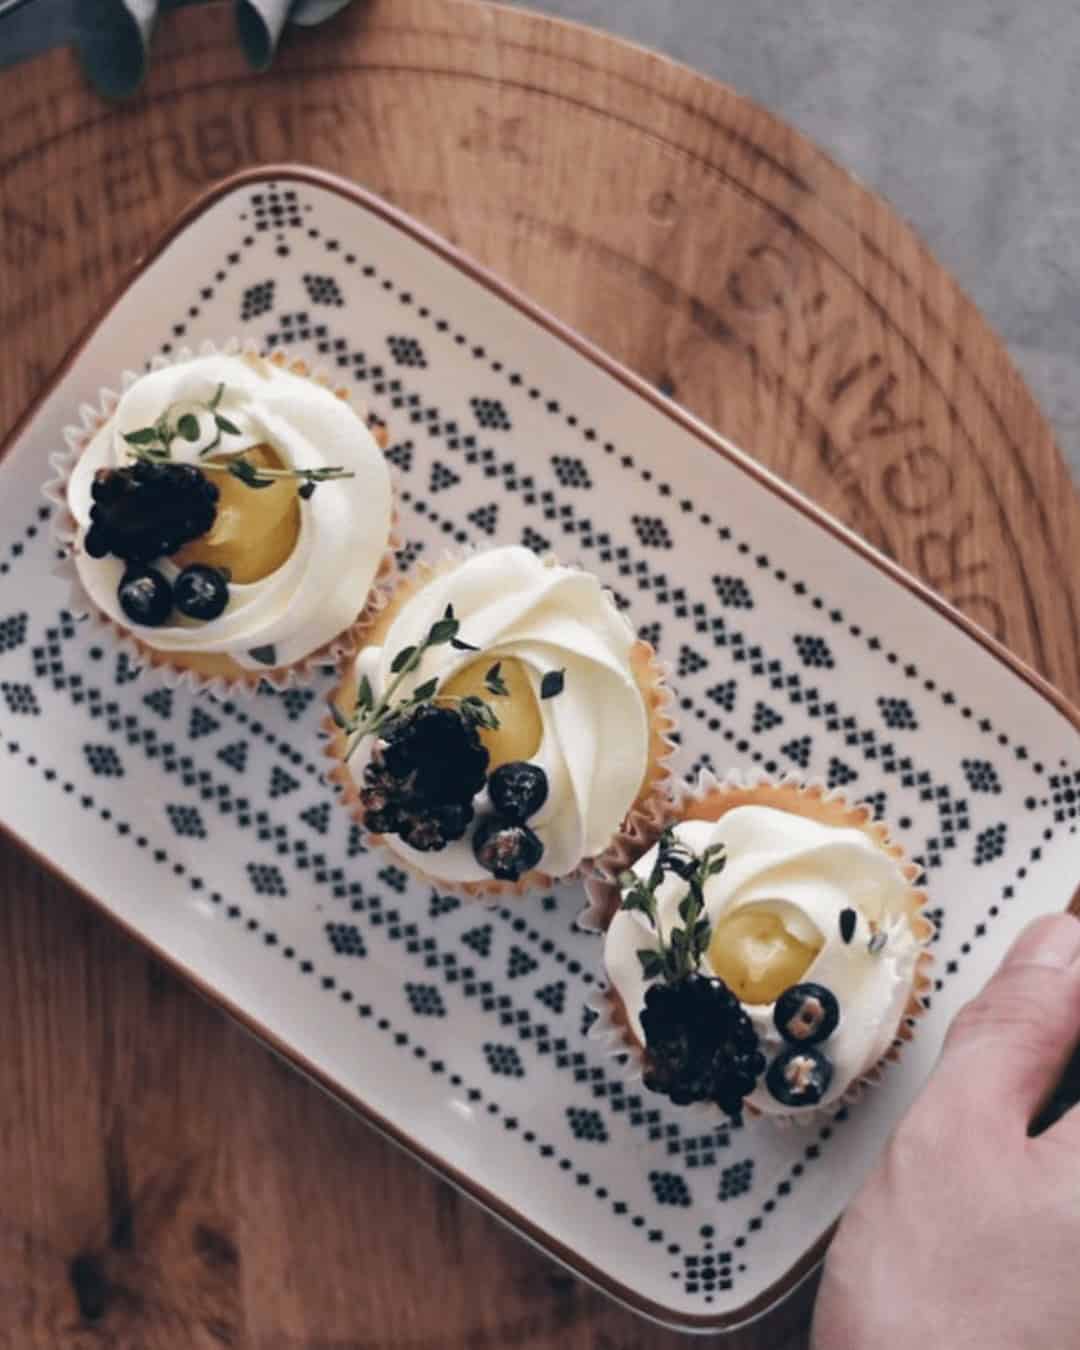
x=204, y=828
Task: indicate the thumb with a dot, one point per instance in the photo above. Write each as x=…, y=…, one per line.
x=1006, y=1049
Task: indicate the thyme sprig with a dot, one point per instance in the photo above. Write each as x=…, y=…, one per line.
x=371, y=714
x=154, y=443
x=680, y=953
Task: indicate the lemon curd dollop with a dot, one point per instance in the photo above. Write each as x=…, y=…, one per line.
x=520, y=728
x=757, y=954
x=255, y=529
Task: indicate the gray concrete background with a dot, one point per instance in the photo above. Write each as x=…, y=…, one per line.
x=963, y=113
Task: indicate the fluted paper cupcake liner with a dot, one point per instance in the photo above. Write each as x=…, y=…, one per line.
x=167, y=666
x=707, y=799
x=649, y=807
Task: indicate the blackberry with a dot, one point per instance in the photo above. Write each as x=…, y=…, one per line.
x=806, y=1014
x=799, y=1076
x=506, y=848
x=438, y=752
x=518, y=790
x=419, y=784
x=436, y=827
x=201, y=592
x=148, y=510
x=145, y=597
x=700, y=1044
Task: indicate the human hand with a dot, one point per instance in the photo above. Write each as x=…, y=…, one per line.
x=968, y=1232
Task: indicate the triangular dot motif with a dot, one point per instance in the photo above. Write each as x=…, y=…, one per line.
x=201, y=724
x=318, y=817
x=799, y=750
x=765, y=718
x=441, y=478
x=442, y=904
x=401, y=455
x=839, y=773
x=485, y=517
x=690, y=661
x=356, y=843
x=531, y=539
x=160, y=701
x=520, y=963
x=553, y=996
x=479, y=939
x=723, y=695
x=281, y=783
x=234, y=755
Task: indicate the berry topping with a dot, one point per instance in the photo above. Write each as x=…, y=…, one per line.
x=799, y=1076
x=439, y=750
x=422, y=776
x=505, y=848
x=518, y=790
x=201, y=592
x=148, y=510
x=806, y=1014
x=700, y=1044
x=145, y=597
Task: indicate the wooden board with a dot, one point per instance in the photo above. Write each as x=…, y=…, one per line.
x=167, y=1183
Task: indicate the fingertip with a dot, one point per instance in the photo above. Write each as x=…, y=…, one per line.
x=1052, y=940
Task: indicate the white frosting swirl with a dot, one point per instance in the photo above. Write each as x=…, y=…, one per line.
x=344, y=527
x=595, y=735
x=814, y=871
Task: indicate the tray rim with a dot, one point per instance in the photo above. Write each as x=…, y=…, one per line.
x=797, y=1275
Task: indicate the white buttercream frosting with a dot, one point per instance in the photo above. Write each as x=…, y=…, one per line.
x=595, y=735
x=809, y=872
x=322, y=586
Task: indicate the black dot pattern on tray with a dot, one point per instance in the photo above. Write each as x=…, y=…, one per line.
x=537, y=1013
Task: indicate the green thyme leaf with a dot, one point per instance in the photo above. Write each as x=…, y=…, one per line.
x=424, y=691
x=552, y=683
x=443, y=631
x=306, y=491
x=494, y=682
x=144, y=436
x=188, y=427
x=339, y=717
x=365, y=695
x=217, y=397
x=639, y=899
x=223, y=424
x=461, y=646
x=402, y=659
x=652, y=963
x=481, y=714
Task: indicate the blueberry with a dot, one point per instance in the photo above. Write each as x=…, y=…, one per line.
x=799, y=1076
x=806, y=1014
x=505, y=848
x=518, y=790
x=145, y=597
x=201, y=592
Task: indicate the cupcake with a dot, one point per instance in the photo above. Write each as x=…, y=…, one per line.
x=228, y=515
x=501, y=724
x=766, y=947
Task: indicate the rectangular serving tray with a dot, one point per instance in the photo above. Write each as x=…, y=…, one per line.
x=204, y=829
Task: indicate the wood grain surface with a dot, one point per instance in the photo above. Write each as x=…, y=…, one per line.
x=167, y=1183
